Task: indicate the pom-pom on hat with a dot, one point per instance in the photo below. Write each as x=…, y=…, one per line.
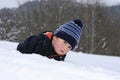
x=70, y=32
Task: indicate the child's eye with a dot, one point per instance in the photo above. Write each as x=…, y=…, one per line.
x=66, y=43
x=69, y=47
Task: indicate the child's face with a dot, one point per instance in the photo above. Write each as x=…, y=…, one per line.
x=61, y=46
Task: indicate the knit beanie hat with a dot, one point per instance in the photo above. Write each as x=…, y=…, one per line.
x=70, y=32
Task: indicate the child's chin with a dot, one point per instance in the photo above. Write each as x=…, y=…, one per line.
x=61, y=54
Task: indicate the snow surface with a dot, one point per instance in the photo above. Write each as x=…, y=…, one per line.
x=77, y=66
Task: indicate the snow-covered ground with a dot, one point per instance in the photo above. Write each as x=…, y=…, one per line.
x=77, y=66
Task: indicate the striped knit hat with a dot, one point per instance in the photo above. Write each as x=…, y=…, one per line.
x=70, y=32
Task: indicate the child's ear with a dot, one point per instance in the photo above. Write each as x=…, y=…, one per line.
x=56, y=37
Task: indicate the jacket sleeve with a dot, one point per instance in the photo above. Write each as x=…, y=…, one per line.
x=60, y=58
x=28, y=45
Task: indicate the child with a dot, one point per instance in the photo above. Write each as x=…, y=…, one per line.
x=54, y=44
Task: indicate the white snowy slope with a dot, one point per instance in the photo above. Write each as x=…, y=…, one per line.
x=77, y=66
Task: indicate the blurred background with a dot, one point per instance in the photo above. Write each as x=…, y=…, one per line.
x=101, y=21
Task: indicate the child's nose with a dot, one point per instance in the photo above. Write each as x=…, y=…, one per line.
x=62, y=51
x=66, y=49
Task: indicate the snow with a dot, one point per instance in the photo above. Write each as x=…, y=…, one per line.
x=77, y=66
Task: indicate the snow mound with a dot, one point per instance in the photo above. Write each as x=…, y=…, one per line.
x=77, y=66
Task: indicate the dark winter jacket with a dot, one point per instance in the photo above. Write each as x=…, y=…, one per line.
x=39, y=44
